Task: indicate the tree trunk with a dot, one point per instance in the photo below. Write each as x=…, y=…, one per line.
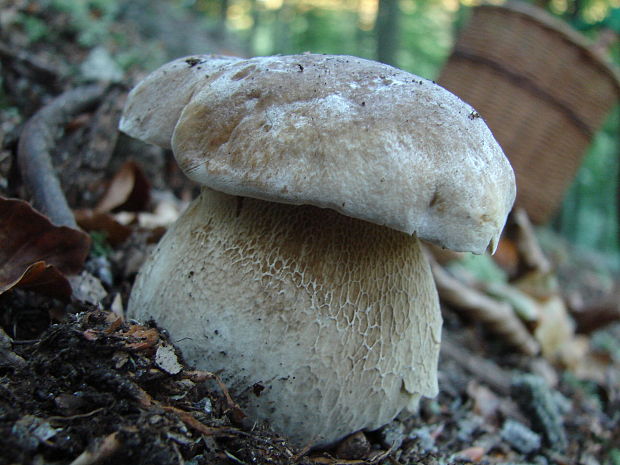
x=386, y=29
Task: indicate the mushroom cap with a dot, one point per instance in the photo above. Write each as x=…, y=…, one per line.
x=155, y=104
x=363, y=138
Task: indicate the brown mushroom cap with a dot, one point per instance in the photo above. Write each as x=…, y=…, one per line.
x=363, y=138
x=155, y=104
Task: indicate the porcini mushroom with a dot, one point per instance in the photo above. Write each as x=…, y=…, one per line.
x=298, y=272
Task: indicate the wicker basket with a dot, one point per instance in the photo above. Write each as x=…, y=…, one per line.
x=540, y=88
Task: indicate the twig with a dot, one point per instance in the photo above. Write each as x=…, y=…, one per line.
x=200, y=376
x=234, y=459
x=484, y=370
x=108, y=447
x=192, y=422
x=35, y=145
x=497, y=316
x=75, y=417
x=527, y=244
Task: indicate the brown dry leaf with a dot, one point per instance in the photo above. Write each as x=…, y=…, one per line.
x=472, y=454
x=36, y=254
x=141, y=338
x=556, y=334
x=92, y=220
x=507, y=256
x=192, y=422
x=129, y=190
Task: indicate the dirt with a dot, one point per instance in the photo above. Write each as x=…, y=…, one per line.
x=92, y=375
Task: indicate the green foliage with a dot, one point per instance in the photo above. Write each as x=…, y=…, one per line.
x=423, y=41
x=589, y=215
x=35, y=28
x=90, y=19
x=605, y=341
x=99, y=244
x=426, y=37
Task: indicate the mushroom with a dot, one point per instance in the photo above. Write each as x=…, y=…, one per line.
x=298, y=272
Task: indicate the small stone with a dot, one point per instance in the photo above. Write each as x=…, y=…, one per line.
x=424, y=439
x=29, y=431
x=88, y=289
x=392, y=435
x=69, y=404
x=520, y=437
x=100, y=66
x=166, y=359
x=354, y=447
x=207, y=406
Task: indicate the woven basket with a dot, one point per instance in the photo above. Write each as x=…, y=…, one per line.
x=540, y=88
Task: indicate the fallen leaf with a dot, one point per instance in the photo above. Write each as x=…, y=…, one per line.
x=36, y=254
x=141, y=338
x=166, y=359
x=556, y=334
x=473, y=454
x=129, y=190
x=92, y=220
x=192, y=422
x=507, y=256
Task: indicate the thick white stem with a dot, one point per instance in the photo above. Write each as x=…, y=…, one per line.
x=319, y=323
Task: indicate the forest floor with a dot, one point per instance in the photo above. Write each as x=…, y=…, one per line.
x=79, y=384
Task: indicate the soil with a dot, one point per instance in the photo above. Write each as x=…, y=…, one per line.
x=94, y=376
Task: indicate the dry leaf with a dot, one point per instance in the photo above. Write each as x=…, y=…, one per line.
x=91, y=220
x=556, y=335
x=35, y=254
x=472, y=454
x=129, y=190
x=142, y=338
x=507, y=256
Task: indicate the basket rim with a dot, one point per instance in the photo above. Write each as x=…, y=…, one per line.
x=546, y=20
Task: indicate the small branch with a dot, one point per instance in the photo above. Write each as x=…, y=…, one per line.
x=192, y=422
x=528, y=245
x=36, y=144
x=107, y=448
x=199, y=376
x=484, y=370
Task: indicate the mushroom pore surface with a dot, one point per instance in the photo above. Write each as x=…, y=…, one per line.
x=320, y=323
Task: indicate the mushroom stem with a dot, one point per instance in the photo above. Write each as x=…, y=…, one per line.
x=322, y=324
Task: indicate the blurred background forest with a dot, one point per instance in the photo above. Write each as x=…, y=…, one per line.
x=113, y=39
